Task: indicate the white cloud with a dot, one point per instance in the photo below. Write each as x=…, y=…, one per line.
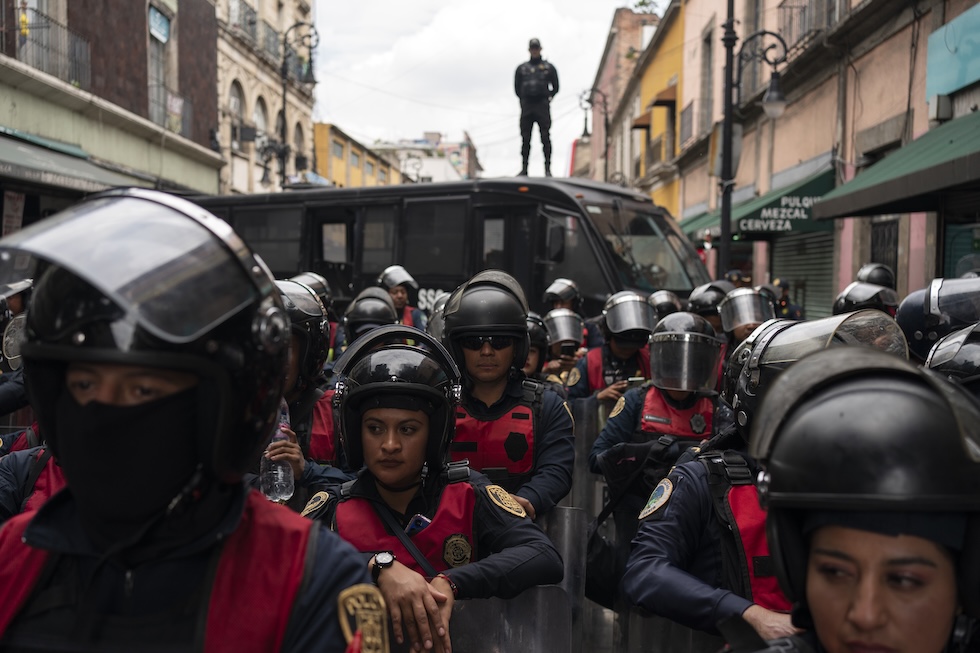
x=391, y=70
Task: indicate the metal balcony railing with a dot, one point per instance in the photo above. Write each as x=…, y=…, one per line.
x=50, y=47
x=170, y=110
x=695, y=120
x=654, y=153
x=243, y=19
x=800, y=20
x=270, y=41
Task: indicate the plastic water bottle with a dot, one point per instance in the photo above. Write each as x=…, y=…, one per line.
x=277, y=476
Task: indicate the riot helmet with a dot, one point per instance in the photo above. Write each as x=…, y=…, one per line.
x=436, y=323
x=628, y=317
x=319, y=285
x=537, y=332
x=490, y=303
x=308, y=320
x=396, y=275
x=13, y=319
x=684, y=353
x=370, y=309
x=779, y=343
x=664, y=303
x=381, y=371
x=770, y=290
x=928, y=314
x=957, y=357
x=563, y=290
x=878, y=274
x=180, y=292
x=902, y=444
x=564, y=326
x=704, y=299
x=860, y=294
x=744, y=306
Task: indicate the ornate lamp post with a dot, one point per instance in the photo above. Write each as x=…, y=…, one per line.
x=290, y=48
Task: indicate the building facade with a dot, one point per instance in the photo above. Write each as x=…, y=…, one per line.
x=345, y=163
x=432, y=159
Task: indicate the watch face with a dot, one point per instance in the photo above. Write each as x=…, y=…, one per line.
x=384, y=558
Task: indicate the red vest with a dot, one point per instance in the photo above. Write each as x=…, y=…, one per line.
x=407, y=316
x=507, y=442
x=323, y=440
x=593, y=361
x=49, y=481
x=750, y=520
x=240, y=615
x=660, y=417
x=360, y=524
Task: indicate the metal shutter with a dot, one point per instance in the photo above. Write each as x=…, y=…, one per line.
x=807, y=261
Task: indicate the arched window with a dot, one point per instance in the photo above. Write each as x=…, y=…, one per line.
x=236, y=107
x=299, y=149
x=260, y=116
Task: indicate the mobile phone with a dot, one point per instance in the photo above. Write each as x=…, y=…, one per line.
x=417, y=524
x=569, y=349
x=635, y=381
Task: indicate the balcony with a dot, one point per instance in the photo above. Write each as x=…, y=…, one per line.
x=171, y=111
x=50, y=47
x=243, y=20
x=695, y=121
x=801, y=20
x=270, y=41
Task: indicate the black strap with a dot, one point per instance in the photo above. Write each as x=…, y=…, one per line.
x=614, y=501
x=37, y=466
x=32, y=439
x=406, y=541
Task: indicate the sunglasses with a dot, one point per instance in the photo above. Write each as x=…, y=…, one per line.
x=475, y=343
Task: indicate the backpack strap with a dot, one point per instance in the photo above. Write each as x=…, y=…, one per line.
x=727, y=469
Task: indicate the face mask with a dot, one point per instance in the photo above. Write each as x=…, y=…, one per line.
x=125, y=464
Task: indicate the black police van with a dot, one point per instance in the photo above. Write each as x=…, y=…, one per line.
x=604, y=237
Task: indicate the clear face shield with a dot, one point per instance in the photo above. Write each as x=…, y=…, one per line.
x=741, y=308
x=684, y=361
x=955, y=302
x=564, y=326
x=629, y=313
x=396, y=275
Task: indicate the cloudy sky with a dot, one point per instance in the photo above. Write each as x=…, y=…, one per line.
x=391, y=69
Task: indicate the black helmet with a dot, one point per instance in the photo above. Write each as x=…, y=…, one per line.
x=308, y=319
x=897, y=438
x=684, y=353
x=563, y=290
x=860, y=295
x=745, y=306
x=778, y=343
x=564, y=326
x=734, y=276
x=180, y=291
x=490, y=303
x=664, y=303
x=436, y=323
x=537, y=332
x=928, y=314
x=380, y=370
x=878, y=274
x=319, y=285
x=771, y=290
x=704, y=299
x=957, y=357
x=370, y=309
x=626, y=312
x=396, y=275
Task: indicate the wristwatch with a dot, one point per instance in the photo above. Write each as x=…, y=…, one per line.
x=382, y=560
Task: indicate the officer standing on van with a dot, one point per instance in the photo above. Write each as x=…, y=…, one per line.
x=535, y=83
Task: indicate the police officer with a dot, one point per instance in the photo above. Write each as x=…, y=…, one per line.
x=515, y=430
x=370, y=308
x=396, y=280
x=704, y=301
x=535, y=83
x=664, y=302
x=321, y=287
x=440, y=533
x=876, y=273
x=436, y=323
x=928, y=314
x=539, y=353
x=564, y=293
x=742, y=311
x=871, y=563
x=14, y=299
x=28, y=478
x=564, y=326
x=156, y=391
x=860, y=294
x=784, y=306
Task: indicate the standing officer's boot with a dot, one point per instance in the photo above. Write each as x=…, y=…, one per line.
x=523, y=172
x=547, y=168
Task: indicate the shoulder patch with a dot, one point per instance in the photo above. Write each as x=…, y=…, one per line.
x=618, y=408
x=502, y=499
x=658, y=498
x=574, y=376
x=457, y=550
x=362, y=612
x=315, y=502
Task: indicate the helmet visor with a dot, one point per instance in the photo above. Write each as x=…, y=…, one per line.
x=563, y=326
x=630, y=315
x=396, y=275
x=951, y=348
x=959, y=299
x=302, y=298
x=747, y=308
x=869, y=328
x=684, y=361
x=172, y=275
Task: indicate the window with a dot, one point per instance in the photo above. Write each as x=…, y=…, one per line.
x=368, y=168
x=434, y=243
x=338, y=149
x=334, y=237
x=577, y=260
x=299, y=149
x=236, y=107
x=382, y=175
x=260, y=117
x=355, y=160
x=274, y=234
x=159, y=26
x=379, y=239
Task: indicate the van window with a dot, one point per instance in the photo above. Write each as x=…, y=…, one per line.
x=493, y=244
x=379, y=239
x=274, y=234
x=433, y=238
x=578, y=261
x=334, y=242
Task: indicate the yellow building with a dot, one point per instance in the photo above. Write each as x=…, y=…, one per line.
x=347, y=163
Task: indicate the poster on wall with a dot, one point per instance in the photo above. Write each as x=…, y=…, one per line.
x=13, y=212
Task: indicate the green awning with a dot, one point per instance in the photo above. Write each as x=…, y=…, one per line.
x=944, y=160
x=784, y=210
x=691, y=226
x=39, y=165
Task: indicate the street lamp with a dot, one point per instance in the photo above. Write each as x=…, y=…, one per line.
x=583, y=102
x=603, y=104
x=309, y=40
x=773, y=103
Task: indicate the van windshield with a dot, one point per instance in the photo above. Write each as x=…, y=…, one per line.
x=648, y=250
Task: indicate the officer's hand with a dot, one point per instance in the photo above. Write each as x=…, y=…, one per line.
x=528, y=508
x=288, y=450
x=414, y=603
x=446, y=608
x=613, y=392
x=769, y=624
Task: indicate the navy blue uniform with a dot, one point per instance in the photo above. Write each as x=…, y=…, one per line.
x=15, y=469
x=579, y=388
x=13, y=394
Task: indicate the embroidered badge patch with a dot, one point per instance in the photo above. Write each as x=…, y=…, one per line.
x=315, y=502
x=456, y=550
x=697, y=423
x=502, y=499
x=618, y=408
x=658, y=498
x=574, y=377
x=361, y=609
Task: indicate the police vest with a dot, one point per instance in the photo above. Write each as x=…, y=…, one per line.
x=407, y=316
x=659, y=417
x=239, y=593
x=747, y=566
x=502, y=449
x=534, y=80
x=446, y=542
x=596, y=372
x=323, y=439
x=43, y=481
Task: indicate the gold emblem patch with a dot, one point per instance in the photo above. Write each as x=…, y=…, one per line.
x=362, y=608
x=658, y=498
x=457, y=551
x=502, y=498
x=618, y=408
x=315, y=502
x=574, y=376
